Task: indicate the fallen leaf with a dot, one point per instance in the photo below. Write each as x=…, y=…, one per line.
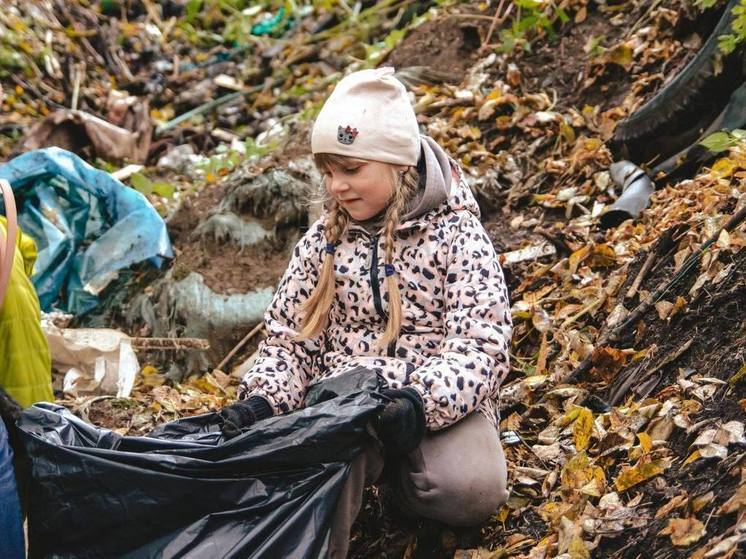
x=692, y=457
x=698, y=503
x=578, y=549
x=676, y=502
x=664, y=309
x=631, y=476
x=736, y=503
x=582, y=429
x=646, y=442
x=684, y=531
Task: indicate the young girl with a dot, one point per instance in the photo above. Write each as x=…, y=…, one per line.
x=399, y=277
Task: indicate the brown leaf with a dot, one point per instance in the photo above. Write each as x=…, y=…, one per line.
x=736, y=503
x=684, y=531
x=676, y=502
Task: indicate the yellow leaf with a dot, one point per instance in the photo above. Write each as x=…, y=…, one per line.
x=629, y=477
x=692, y=457
x=151, y=376
x=684, y=531
x=582, y=429
x=723, y=168
x=569, y=417
x=645, y=442
x=577, y=257
x=503, y=513
x=679, y=304
x=621, y=54
x=593, y=144
x=579, y=474
x=578, y=549
x=567, y=132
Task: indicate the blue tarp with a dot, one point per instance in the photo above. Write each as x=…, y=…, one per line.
x=86, y=224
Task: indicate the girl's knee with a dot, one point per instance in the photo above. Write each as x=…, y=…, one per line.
x=461, y=501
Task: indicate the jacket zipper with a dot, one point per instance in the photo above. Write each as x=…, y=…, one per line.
x=377, y=302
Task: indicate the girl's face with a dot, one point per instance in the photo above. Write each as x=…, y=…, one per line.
x=361, y=187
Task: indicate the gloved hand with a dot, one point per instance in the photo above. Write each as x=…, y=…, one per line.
x=10, y=411
x=243, y=414
x=401, y=424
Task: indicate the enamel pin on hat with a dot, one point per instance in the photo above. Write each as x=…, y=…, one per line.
x=346, y=135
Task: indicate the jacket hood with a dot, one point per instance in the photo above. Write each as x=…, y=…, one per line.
x=439, y=193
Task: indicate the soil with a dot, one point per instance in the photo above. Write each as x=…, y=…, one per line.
x=717, y=324
x=570, y=74
x=448, y=44
x=226, y=267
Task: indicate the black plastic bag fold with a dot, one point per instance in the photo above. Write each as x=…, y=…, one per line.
x=184, y=492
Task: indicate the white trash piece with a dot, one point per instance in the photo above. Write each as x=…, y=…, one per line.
x=95, y=360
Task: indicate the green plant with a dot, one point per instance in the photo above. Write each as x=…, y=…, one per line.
x=729, y=42
x=534, y=18
x=143, y=184
x=718, y=142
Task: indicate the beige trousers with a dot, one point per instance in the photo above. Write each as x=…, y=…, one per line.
x=457, y=476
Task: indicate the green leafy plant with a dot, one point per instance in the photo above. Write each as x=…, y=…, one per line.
x=143, y=184
x=718, y=142
x=729, y=42
x=533, y=19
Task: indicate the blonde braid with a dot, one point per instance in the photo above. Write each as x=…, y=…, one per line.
x=316, y=307
x=406, y=187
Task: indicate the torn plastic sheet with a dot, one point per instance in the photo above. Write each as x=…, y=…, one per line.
x=183, y=491
x=86, y=224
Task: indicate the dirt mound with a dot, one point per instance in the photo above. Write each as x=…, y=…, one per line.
x=448, y=44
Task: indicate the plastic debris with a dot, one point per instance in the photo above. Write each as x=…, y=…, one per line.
x=254, y=496
x=87, y=225
x=96, y=361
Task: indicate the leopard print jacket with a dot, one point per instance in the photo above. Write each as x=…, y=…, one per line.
x=456, y=324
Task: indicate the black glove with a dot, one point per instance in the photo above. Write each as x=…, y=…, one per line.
x=401, y=424
x=10, y=411
x=243, y=414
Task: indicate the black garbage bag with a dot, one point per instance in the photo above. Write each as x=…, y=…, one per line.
x=184, y=492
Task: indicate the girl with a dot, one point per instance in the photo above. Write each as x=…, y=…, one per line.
x=399, y=277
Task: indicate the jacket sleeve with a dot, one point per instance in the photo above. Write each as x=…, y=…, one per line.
x=283, y=367
x=473, y=358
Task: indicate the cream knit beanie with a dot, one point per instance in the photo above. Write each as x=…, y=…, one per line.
x=368, y=116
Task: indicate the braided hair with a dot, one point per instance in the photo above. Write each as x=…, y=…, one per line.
x=316, y=307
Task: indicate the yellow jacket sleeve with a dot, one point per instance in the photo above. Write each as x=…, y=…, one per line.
x=25, y=363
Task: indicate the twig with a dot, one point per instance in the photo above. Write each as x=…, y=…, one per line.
x=170, y=343
x=207, y=107
x=529, y=447
x=239, y=345
x=619, y=393
x=497, y=19
x=616, y=333
x=641, y=275
x=76, y=87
